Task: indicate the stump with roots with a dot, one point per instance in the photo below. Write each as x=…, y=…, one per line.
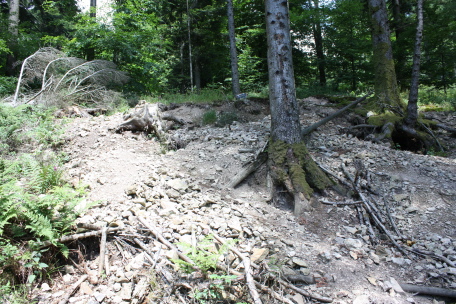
x=149, y=118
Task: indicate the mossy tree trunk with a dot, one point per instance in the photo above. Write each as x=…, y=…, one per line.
x=290, y=164
x=386, y=90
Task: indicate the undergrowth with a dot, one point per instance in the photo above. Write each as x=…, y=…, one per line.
x=205, y=255
x=36, y=203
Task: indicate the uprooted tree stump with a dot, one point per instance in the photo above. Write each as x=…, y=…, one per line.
x=149, y=118
x=389, y=127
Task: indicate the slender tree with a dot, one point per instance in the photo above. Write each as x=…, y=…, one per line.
x=233, y=52
x=90, y=52
x=412, y=107
x=386, y=90
x=190, y=59
x=318, y=38
x=291, y=166
x=13, y=29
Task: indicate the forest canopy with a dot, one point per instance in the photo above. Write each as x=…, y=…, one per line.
x=169, y=46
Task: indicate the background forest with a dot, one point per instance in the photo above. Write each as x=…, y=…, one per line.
x=177, y=47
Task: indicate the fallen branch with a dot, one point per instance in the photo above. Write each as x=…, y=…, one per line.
x=261, y=156
x=341, y=203
x=273, y=293
x=101, y=261
x=250, y=282
x=75, y=237
x=447, y=128
x=166, y=242
x=274, y=277
x=316, y=125
x=433, y=291
x=73, y=289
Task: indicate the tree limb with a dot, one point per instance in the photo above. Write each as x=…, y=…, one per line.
x=316, y=125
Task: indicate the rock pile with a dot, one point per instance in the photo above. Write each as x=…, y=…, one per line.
x=182, y=194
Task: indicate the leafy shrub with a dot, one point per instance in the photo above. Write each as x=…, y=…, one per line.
x=7, y=85
x=26, y=124
x=36, y=205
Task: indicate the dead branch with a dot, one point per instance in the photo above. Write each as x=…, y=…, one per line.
x=433, y=291
x=73, y=289
x=340, y=203
x=273, y=293
x=250, y=282
x=75, y=237
x=102, y=251
x=166, y=242
x=447, y=128
x=316, y=125
x=88, y=226
x=260, y=158
x=274, y=277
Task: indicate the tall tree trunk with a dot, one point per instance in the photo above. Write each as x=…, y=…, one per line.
x=190, y=46
x=233, y=52
x=291, y=166
x=316, y=29
x=386, y=91
x=90, y=52
x=197, y=74
x=13, y=29
x=412, y=107
x=399, y=26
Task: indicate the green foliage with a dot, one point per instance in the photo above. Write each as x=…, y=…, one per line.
x=209, y=118
x=7, y=85
x=209, y=95
x=216, y=286
x=205, y=255
x=26, y=124
x=445, y=99
x=36, y=204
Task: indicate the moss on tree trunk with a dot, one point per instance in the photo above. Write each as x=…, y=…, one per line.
x=292, y=166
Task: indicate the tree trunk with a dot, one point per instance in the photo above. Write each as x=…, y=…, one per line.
x=412, y=107
x=233, y=52
x=316, y=29
x=190, y=46
x=399, y=26
x=386, y=91
x=291, y=166
x=90, y=52
x=13, y=29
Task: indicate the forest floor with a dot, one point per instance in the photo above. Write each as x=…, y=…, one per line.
x=183, y=194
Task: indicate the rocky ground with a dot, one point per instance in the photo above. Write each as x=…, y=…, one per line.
x=183, y=195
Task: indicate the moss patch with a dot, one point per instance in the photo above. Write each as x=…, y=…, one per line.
x=380, y=120
x=295, y=163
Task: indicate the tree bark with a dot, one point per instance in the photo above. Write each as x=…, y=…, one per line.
x=90, y=52
x=386, y=90
x=291, y=166
x=190, y=59
x=13, y=29
x=233, y=52
x=316, y=29
x=412, y=107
